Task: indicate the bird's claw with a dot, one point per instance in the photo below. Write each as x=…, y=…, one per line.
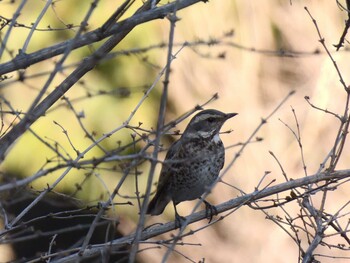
x=210, y=211
x=179, y=221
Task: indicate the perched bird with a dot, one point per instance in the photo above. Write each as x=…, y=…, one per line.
x=192, y=163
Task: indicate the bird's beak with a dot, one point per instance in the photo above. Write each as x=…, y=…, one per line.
x=230, y=115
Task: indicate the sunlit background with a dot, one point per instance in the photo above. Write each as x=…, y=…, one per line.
x=242, y=65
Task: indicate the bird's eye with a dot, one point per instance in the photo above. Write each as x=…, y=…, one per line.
x=211, y=119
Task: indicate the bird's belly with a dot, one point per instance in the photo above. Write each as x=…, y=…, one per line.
x=194, y=182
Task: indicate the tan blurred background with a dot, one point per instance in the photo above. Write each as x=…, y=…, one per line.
x=247, y=82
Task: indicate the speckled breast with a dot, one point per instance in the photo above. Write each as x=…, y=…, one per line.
x=199, y=165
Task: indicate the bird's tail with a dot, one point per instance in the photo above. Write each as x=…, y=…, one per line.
x=158, y=204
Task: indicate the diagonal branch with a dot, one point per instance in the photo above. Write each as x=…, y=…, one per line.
x=85, y=66
x=157, y=230
x=143, y=15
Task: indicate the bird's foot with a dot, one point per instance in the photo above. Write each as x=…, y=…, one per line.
x=179, y=221
x=210, y=210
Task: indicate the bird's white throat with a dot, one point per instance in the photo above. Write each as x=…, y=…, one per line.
x=216, y=138
x=203, y=134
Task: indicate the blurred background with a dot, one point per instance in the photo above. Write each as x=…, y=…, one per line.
x=235, y=51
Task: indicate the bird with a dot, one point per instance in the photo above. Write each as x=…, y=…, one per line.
x=192, y=164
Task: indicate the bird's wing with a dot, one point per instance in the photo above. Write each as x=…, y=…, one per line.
x=168, y=167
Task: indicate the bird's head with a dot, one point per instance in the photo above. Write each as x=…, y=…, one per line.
x=206, y=124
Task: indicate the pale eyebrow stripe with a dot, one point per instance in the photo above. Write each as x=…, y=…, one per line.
x=202, y=117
